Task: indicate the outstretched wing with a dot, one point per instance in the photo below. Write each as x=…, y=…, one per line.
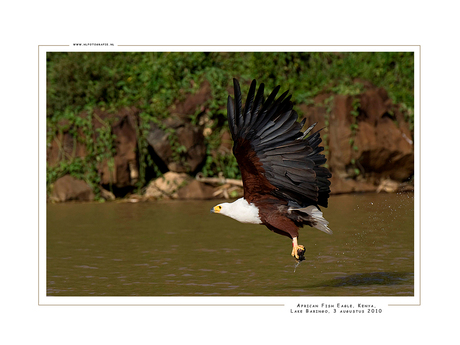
x=275, y=157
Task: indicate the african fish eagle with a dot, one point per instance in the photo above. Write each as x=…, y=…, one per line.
x=283, y=178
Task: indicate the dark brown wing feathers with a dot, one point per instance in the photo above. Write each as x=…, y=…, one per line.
x=275, y=157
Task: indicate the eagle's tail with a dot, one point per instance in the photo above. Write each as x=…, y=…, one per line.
x=312, y=216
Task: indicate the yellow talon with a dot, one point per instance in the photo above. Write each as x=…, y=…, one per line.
x=298, y=251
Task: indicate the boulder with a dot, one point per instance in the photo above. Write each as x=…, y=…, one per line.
x=380, y=147
x=69, y=188
x=384, y=150
x=174, y=185
x=107, y=195
x=196, y=190
x=167, y=185
x=388, y=186
x=179, y=145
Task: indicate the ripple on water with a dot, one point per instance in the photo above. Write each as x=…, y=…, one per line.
x=230, y=287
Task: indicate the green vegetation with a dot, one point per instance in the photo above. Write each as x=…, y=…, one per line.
x=78, y=83
x=99, y=147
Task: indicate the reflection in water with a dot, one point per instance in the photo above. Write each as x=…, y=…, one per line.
x=177, y=248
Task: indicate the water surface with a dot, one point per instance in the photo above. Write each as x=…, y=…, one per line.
x=178, y=248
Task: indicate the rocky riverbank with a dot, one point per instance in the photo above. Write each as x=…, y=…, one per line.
x=367, y=140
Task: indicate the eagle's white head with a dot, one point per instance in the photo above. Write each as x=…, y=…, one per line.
x=239, y=210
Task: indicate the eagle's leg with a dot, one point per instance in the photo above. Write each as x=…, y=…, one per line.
x=298, y=250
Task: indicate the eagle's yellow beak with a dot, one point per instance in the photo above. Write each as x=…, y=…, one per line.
x=216, y=209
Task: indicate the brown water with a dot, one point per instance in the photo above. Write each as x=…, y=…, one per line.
x=178, y=248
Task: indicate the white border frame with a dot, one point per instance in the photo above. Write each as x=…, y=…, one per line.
x=274, y=301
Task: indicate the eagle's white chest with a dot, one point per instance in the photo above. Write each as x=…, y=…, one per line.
x=243, y=212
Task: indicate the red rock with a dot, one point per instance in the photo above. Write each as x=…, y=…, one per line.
x=380, y=147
